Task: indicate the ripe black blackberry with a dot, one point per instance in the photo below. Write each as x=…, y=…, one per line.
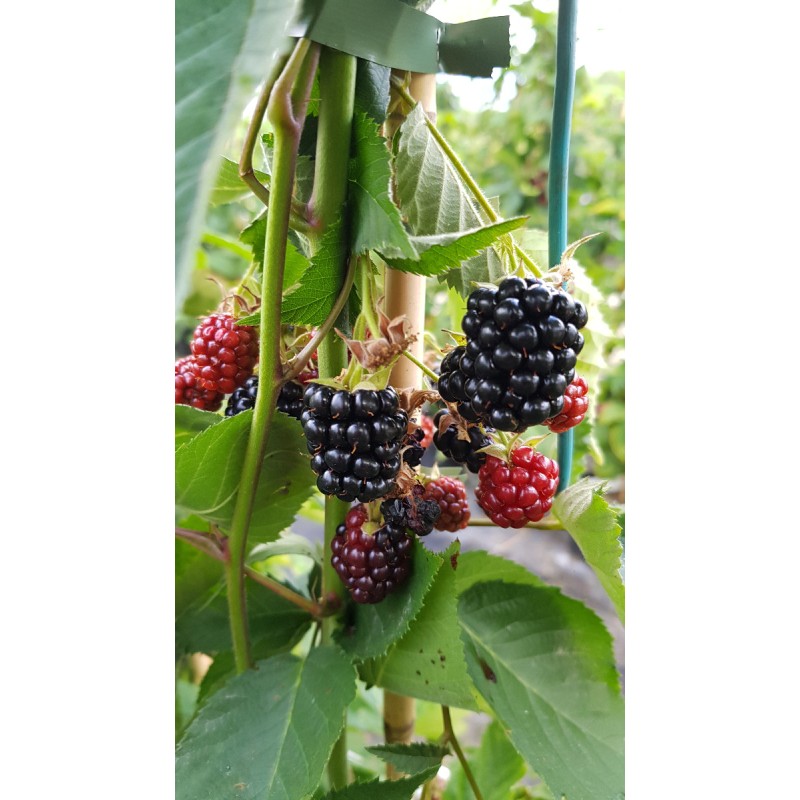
x=354, y=440
x=522, y=345
x=371, y=566
x=460, y=450
x=290, y=399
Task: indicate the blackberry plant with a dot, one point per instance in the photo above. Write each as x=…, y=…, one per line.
x=307, y=565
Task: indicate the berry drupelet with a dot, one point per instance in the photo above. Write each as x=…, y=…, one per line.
x=371, y=566
x=354, y=440
x=515, y=493
x=225, y=352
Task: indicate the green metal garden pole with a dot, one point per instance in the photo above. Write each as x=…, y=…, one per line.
x=558, y=182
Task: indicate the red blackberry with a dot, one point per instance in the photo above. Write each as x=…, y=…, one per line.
x=514, y=493
x=187, y=391
x=576, y=404
x=426, y=423
x=450, y=495
x=225, y=352
x=520, y=355
x=462, y=451
x=355, y=440
x=371, y=566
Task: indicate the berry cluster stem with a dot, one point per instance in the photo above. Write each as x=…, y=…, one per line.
x=450, y=737
x=287, y=114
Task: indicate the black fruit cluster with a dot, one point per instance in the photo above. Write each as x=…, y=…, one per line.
x=523, y=340
x=414, y=513
x=290, y=399
x=371, y=566
x=460, y=450
x=354, y=440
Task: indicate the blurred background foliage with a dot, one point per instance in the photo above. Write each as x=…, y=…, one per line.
x=505, y=145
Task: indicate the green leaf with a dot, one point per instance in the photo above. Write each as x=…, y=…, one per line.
x=434, y=200
x=229, y=187
x=311, y=302
x=401, y=789
x=372, y=89
x=204, y=626
x=445, y=251
x=195, y=575
x=223, y=49
x=411, y=758
x=208, y=469
x=296, y=263
x=545, y=665
x=593, y=524
x=376, y=627
x=376, y=219
x=495, y=765
x=478, y=566
x=428, y=662
x=191, y=421
x=268, y=732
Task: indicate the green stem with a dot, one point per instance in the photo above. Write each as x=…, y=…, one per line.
x=337, y=81
x=463, y=172
x=544, y=525
x=287, y=121
x=366, y=281
x=414, y=360
x=451, y=737
x=297, y=219
x=228, y=244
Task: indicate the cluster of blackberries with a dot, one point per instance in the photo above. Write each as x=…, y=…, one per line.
x=354, y=440
x=290, y=399
x=461, y=450
x=371, y=566
x=416, y=513
x=523, y=340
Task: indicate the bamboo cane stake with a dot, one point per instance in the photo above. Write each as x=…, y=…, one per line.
x=405, y=294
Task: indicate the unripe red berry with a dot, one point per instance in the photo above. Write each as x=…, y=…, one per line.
x=518, y=491
x=225, y=352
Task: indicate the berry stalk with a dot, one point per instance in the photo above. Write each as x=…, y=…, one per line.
x=287, y=118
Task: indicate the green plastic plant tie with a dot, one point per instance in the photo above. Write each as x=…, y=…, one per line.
x=558, y=182
x=396, y=35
